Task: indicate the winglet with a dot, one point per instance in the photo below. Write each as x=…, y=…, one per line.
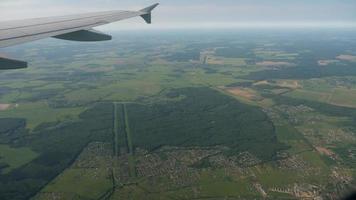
x=147, y=13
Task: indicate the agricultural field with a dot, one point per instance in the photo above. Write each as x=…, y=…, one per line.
x=12, y=158
x=161, y=116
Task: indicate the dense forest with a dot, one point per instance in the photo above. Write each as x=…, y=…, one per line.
x=235, y=52
x=57, y=149
x=305, y=70
x=187, y=55
x=204, y=117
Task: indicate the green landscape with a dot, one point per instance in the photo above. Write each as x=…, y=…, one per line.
x=176, y=115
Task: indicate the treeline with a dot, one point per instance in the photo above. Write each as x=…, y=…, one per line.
x=11, y=129
x=58, y=148
x=244, y=51
x=241, y=84
x=205, y=117
x=184, y=56
x=305, y=71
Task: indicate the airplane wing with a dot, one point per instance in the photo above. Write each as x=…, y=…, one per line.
x=73, y=27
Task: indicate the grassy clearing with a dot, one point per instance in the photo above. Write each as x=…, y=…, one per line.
x=253, y=98
x=148, y=82
x=89, y=177
x=344, y=97
x=13, y=96
x=290, y=136
x=321, y=90
x=130, y=90
x=287, y=132
x=309, y=95
x=39, y=112
x=15, y=157
x=86, y=183
x=124, y=87
x=269, y=177
x=216, y=183
x=215, y=60
x=24, y=84
x=317, y=85
x=314, y=159
x=270, y=54
x=133, y=192
x=52, y=86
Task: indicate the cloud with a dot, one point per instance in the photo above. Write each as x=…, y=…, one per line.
x=184, y=13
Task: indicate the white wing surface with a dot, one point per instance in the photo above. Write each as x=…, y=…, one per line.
x=73, y=27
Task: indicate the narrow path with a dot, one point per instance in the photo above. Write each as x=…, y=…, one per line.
x=131, y=158
x=116, y=131
x=116, y=153
x=127, y=130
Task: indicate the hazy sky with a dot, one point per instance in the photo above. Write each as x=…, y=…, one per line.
x=199, y=13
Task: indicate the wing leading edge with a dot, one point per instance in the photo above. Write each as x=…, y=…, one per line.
x=73, y=27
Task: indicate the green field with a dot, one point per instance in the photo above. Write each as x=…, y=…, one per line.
x=344, y=97
x=15, y=157
x=172, y=115
x=40, y=112
x=80, y=183
x=218, y=184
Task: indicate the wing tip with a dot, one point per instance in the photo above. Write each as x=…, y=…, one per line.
x=149, y=8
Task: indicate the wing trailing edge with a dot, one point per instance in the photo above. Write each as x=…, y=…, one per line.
x=85, y=36
x=6, y=64
x=72, y=27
